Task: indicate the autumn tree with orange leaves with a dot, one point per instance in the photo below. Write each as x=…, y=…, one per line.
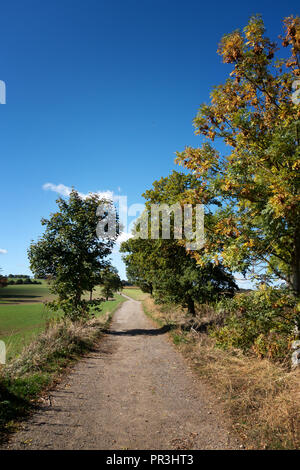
x=255, y=225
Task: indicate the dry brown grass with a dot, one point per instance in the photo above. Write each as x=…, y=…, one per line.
x=26, y=378
x=63, y=339
x=262, y=399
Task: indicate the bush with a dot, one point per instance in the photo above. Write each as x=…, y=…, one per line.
x=263, y=321
x=76, y=311
x=3, y=281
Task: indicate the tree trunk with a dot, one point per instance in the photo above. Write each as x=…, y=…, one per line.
x=295, y=268
x=191, y=305
x=77, y=299
x=91, y=294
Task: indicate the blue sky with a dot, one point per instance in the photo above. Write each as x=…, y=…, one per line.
x=100, y=95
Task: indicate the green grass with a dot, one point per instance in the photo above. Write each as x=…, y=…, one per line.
x=20, y=317
x=19, y=323
x=53, y=351
x=111, y=305
x=25, y=293
x=135, y=293
x=42, y=363
x=21, y=320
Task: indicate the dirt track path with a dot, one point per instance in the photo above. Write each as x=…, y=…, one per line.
x=134, y=392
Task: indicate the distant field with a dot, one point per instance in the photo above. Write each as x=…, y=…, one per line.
x=23, y=314
x=135, y=293
x=18, y=323
x=25, y=293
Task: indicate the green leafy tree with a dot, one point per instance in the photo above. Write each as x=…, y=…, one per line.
x=71, y=254
x=111, y=282
x=256, y=183
x=3, y=280
x=164, y=267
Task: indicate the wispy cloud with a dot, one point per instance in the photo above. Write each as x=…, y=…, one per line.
x=64, y=190
x=123, y=237
x=2, y=251
x=57, y=188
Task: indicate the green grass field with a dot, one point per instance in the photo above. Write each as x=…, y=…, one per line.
x=135, y=293
x=25, y=293
x=23, y=313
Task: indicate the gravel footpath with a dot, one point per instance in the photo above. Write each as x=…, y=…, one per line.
x=135, y=391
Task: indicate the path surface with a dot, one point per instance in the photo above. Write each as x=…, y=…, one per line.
x=134, y=392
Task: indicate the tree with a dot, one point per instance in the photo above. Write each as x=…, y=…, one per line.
x=70, y=252
x=3, y=281
x=164, y=267
x=256, y=184
x=111, y=282
x=138, y=269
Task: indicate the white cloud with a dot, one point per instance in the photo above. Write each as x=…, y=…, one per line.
x=57, y=188
x=64, y=190
x=123, y=237
x=2, y=251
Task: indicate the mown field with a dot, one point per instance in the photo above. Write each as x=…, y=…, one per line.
x=23, y=313
x=25, y=293
x=135, y=293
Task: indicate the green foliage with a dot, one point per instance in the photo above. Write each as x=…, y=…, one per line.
x=111, y=282
x=3, y=281
x=12, y=282
x=256, y=184
x=263, y=321
x=164, y=267
x=75, y=310
x=71, y=253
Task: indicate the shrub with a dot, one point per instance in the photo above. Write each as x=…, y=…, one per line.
x=263, y=321
x=3, y=281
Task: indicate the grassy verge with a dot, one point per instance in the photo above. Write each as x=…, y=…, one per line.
x=261, y=398
x=42, y=361
x=21, y=322
x=111, y=305
x=134, y=293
